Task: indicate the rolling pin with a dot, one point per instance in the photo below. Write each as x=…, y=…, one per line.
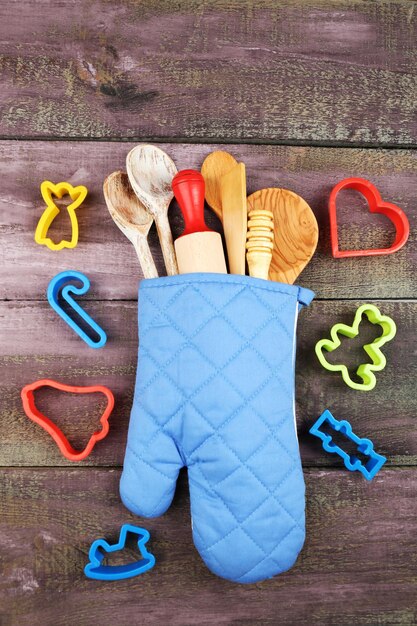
x=198, y=249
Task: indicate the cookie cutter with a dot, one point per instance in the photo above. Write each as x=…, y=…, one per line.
x=77, y=195
x=375, y=205
x=100, y=548
x=365, y=371
x=364, y=446
x=58, y=287
x=33, y=413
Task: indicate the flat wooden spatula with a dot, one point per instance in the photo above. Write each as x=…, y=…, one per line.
x=235, y=216
x=198, y=249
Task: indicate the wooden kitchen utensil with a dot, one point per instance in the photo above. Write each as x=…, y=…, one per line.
x=216, y=165
x=235, y=216
x=295, y=231
x=198, y=249
x=260, y=242
x=150, y=172
x=131, y=217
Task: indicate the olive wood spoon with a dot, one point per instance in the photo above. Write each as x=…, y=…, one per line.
x=150, y=172
x=129, y=214
x=295, y=231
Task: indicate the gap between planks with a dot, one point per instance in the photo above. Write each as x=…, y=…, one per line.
x=406, y=300
x=257, y=141
x=316, y=467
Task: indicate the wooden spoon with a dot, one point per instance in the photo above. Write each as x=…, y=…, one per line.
x=216, y=165
x=295, y=231
x=131, y=217
x=150, y=172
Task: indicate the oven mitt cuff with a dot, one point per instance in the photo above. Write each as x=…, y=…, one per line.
x=215, y=392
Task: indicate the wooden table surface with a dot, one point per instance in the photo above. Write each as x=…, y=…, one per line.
x=306, y=93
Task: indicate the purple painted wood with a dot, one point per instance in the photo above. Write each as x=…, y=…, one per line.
x=323, y=71
x=319, y=71
x=355, y=568
x=35, y=343
x=109, y=259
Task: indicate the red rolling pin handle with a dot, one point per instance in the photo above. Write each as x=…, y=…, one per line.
x=188, y=187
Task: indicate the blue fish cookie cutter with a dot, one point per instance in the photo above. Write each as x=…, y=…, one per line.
x=58, y=289
x=100, y=548
x=365, y=446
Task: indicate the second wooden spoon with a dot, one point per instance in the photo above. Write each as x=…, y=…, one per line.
x=150, y=172
x=131, y=217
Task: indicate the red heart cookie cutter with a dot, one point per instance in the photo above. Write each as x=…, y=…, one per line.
x=56, y=433
x=376, y=205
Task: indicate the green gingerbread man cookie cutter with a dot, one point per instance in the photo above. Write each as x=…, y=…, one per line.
x=365, y=371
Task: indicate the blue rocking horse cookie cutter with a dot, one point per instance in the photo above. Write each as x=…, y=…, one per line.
x=100, y=548
x=59, y=290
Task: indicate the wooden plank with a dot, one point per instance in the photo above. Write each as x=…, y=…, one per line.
x=348, y=573
x=35, y=343
x=110, y=261
x=387, y=414
x=326, y=70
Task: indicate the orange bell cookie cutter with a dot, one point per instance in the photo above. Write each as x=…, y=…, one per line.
x=33, y=413
x=77, y=195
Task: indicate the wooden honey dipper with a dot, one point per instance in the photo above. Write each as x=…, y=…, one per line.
x=260, y=242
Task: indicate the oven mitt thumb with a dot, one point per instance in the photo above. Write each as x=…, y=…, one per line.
x=215, y=392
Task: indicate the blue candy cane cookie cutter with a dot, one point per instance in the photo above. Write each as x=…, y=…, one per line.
x=100, y=548
x=364, y=446
x=59, y=290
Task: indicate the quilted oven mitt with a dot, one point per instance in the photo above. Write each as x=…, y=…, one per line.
x=215, y=392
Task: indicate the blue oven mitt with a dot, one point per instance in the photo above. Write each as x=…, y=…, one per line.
x=215, y=392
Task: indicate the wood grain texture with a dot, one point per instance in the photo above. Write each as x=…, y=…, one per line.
x=36, y=343
x=131, y=217
x=322, y=70
x=234, y=217
x=200, y=252
x=260, y=242
x=331, y=72
x=348, y=573
x=105, y=255
x=295, y=231
x=151, y=172
x=216, y=164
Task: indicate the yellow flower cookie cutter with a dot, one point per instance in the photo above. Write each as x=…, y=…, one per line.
x=77, y=195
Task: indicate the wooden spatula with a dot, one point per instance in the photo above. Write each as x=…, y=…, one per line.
x=199, y=249
x=216, y=165
x=295, y=231
x=235, y=216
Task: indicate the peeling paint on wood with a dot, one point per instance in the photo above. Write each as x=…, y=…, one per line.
x=310, y=172
x=354, y=568
x=323, y=70
x=35, y=343
x=327, y=71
